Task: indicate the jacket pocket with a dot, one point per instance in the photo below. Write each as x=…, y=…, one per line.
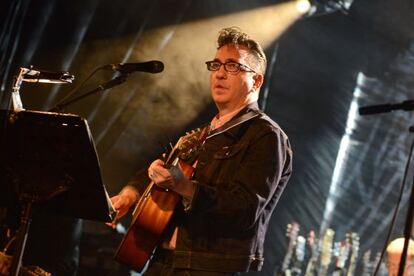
x=229, y=151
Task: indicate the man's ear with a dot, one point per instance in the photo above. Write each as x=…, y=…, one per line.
x=258, y=81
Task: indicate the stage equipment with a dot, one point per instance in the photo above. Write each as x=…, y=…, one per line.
x=153, y=66
x=49, y=163
x=123, y=69
x=406, y=106
x=383, y=108
x=321, y=7
x=33, y=75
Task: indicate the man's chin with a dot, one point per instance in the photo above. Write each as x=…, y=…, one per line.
x=219, y=99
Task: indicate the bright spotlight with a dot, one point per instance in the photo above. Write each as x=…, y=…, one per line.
x=303, y=6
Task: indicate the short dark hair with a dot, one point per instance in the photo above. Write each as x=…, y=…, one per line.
x=234, y=35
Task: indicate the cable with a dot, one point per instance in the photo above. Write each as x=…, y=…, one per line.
x=74, y=90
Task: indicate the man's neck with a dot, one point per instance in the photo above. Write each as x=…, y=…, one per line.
x=225, y=110
x=221, y=118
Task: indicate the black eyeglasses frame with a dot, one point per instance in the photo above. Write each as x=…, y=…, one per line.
x=239, y=67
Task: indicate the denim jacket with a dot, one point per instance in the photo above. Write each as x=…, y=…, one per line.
x=243, y=167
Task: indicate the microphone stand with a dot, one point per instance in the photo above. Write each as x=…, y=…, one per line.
x=408, y=228
x=382, y=108
x=406, y=106
x=102, y=87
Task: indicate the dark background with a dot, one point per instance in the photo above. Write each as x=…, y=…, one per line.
x=314, y=69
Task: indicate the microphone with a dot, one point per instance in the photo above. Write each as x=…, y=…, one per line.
x=153, y=66
x=382, y=108
x=33, y=75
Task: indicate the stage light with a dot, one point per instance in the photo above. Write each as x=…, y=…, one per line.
x=303, y=6
x=321, y=7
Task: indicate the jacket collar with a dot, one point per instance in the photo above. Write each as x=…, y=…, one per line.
x=250, y=111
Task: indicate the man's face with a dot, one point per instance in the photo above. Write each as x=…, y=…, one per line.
x=231, y=90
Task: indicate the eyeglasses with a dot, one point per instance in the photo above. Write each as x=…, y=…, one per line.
x=230, y=66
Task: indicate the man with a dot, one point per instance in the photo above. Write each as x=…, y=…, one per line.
x=240, y=173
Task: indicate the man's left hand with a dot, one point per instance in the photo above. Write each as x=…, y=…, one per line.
x=172, y=179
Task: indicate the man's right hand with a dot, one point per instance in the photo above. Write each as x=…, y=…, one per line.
x=122, y=202
x=5, y=264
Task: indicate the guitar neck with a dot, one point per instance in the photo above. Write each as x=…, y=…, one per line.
x=354, y=254
x=326, y=252
x=314, y=249
x=292, y=233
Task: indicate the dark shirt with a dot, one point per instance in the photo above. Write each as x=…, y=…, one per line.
x=242, y=169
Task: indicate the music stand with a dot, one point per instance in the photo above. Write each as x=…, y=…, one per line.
x=49, y=162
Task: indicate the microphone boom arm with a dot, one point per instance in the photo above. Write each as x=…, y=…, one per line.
x=102, y=87
x=382, y=108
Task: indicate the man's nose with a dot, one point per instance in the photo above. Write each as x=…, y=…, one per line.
x=221, y=72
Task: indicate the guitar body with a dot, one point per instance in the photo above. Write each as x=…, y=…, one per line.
x=156, y=206
x=152, y=215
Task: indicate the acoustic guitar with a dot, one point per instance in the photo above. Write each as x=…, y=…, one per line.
x=156, y=206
